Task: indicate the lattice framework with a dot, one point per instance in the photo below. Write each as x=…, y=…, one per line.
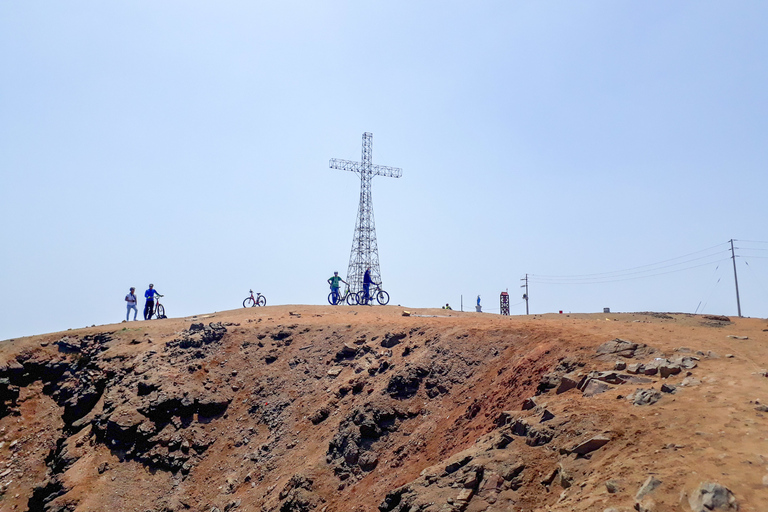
x=365, y=251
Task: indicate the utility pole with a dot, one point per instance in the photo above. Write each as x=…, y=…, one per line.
x=525, y=295
x=735, y=279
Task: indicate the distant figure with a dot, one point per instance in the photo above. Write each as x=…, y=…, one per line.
x=447, y=306
x=334, y=282
x=130, y=300
x=149, y=307
x=478, y=300
x=478, y=308
x=367, y=282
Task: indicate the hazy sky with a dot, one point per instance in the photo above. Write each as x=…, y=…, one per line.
x=186, y=143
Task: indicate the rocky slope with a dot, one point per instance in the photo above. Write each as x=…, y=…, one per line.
x=362, y=409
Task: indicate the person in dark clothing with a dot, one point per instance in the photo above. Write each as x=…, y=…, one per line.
x=149, y=306
x=367, y=282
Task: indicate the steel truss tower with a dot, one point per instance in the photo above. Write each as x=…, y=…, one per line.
x=365, y=252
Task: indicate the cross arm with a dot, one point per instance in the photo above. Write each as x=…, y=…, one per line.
x=383, y=170
x=376, y=170
x=344, y=165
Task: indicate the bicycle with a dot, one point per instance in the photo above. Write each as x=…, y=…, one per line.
x=159, y=311
x=380, y=295
x=258, y=300
x=336, y=299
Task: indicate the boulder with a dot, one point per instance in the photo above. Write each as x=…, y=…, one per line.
x=392, y=339
x=668, y=368
x=648, y=487
x=591, y=444
x=618, y=347
x=595, y=387
x=644, y=396
x=712, y=496
x=567, y=382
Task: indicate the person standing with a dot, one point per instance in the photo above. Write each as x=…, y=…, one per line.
x=130, y=300
x=149, y=307
x=367, y=282
x=334, y=282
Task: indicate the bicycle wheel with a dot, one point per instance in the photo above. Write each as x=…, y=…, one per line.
x=333, y=298
x=249, y=302
x=160, y=311
x=382, y=297
x=352, y=299
x=261, y=301
x=361, y=298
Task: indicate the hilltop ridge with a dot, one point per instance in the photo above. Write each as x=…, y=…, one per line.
x=299, y=408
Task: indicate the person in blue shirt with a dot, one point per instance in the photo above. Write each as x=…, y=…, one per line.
x=149, y=306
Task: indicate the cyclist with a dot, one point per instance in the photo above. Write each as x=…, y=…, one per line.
x=149, y=307
x=334, y=282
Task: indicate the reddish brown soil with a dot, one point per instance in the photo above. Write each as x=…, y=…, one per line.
x=481, y=364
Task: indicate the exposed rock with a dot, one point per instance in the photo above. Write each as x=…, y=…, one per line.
x=668, y=388
x=644, y=397
x=567, y=382
x=619, y=365
x=529, y=403
x=650, y=485
x=712, y=496
x=595, y=387
x=392, y=339
x=346, y=352
x=690, y=382
x=618, y=347
x=406, y=383
x=668, y=368
x=590, y=444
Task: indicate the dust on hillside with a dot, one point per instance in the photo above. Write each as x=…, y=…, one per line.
x=300, y=408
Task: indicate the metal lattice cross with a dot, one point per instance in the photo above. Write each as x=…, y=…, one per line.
x=365, y=252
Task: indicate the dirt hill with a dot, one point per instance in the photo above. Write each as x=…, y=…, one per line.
x=302, y=408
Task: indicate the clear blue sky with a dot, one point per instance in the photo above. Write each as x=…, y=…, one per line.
x=186, y=143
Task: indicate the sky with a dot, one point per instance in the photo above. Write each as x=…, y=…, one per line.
x=609, y=150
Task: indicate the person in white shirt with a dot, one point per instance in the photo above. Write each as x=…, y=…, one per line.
x=130, y=300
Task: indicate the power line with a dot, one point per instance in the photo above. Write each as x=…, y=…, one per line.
x=648, y=265
x=534, y=277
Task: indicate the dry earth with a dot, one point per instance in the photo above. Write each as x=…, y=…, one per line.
x=299, y=408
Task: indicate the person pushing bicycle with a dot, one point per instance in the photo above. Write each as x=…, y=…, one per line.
x=149, y=306
x=367, y=282
x=334, y=282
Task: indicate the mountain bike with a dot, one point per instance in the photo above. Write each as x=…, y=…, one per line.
x=258, y=300
x=337, y=299
x=377, y=293
x=159, y=311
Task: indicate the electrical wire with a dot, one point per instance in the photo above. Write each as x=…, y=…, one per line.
x=608, y=275
x=711, y=291
x=759, y=281
x=614, y=280
x=648, y=265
